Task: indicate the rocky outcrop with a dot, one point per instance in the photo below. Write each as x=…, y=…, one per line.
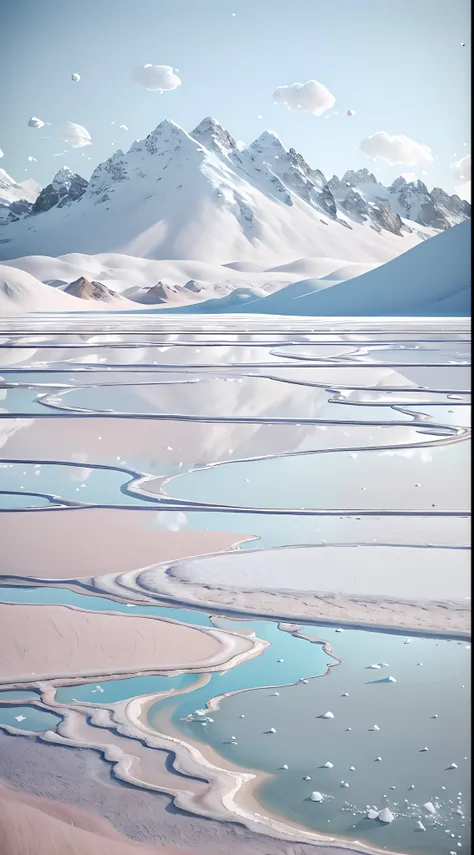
x=66, y=187
x=86, y=290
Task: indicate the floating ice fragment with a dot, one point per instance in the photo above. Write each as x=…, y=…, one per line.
x=419, y=826
x=329, y=714
x=352, y=769
x=372, y=814
x=411, y=787
x=123, y=127
x=391, y=680
x=429, y=807
x=374, y=667
x=375, y=727
x=304, y=681
x=20, y=718
x=435, y=715
x=453, y=766
x=328, y=765
x=345, y=695
x=272, y=730
x=276, y=694
x=348, y=728
x=344, y=784
x=306, y=778
x=377, y=759
x=339, y=629
x=76, y=135
x=280, y=660
x=75, y=77
x=285, y=766
x=316, y=796
x=386, y=815
x=242, y=716
x=423, y=749
x=34, y=122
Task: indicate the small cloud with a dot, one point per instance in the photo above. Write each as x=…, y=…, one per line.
x=156, y=78
x=311, y=97
x=462, y=168
x=32, y=159
x=75, y=135
x=409, y=176
x=464, y=191
x=123, y=128
x=395, y=149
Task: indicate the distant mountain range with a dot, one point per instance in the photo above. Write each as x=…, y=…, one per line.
x=199, y=196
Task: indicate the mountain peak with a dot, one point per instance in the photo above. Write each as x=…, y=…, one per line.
x=269, y=142
x=362, y=176
x=62, y=175
x=210, y=133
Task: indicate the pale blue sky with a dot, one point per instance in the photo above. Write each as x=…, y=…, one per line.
x=400, y=65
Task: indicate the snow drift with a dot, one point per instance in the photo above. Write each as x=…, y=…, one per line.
x=430, y=279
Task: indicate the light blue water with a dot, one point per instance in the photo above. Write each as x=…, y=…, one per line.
x=101, y=486
x=369, y=480
x=18, y=695
x=34, y=719
x=403, y=711
x=120, y=690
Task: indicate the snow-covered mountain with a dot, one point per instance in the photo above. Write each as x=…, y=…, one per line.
x=361, y=192
x=199, y=196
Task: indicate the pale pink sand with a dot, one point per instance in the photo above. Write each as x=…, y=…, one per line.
x=56, y=641
x=81, y=777
x=89, y=542
x=33, y=824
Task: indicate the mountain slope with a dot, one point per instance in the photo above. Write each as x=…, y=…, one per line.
x=171, y=197
x=431, y=279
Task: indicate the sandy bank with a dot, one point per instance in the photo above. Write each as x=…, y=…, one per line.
x=50, y=641
x=30, y=823
x=79, y=777
x=92, y=541
x=358, y=610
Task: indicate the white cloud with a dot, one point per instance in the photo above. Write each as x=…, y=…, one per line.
x=156, y=78
x=75, y=135
x=462, y=168
x=464, y=191
x=408, y=176
x=311, y=97
x=462, y=171
x=396, y=149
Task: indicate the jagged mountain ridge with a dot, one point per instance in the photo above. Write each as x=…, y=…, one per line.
x=197, y=195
